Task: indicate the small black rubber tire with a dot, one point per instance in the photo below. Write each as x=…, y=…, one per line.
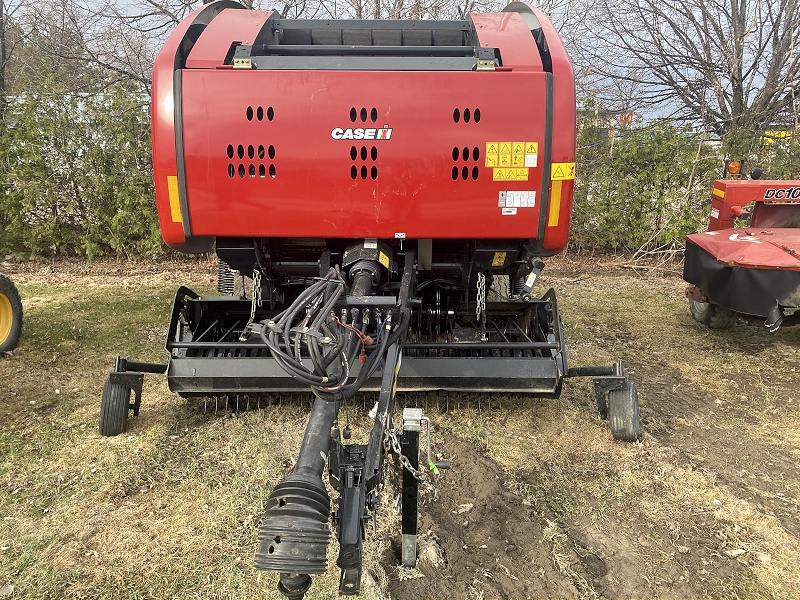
x=623, y=413
x=10, y=315
x=114, y=408
x=711, y=315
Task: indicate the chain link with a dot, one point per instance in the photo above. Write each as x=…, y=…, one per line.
x=418, y=475
x=480, y=306
x=255, y=302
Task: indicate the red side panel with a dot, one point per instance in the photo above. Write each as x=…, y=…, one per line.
x=556, y=233
x=165, y=160
x=163, y=127
x=289, y=176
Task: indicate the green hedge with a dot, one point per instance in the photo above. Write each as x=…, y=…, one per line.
x=76, y=175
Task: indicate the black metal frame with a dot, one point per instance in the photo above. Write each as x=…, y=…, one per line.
x=219, y=367
x=294, y=533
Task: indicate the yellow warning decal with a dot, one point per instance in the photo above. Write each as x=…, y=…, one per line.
x=510, y=174
x=517, y=155
x=562, y=171
x=499, y=259
x=383, y=259
x=174, y=198
x=555, y=203
x=718, y=192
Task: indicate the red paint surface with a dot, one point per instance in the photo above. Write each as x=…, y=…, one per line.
x=752, y=247
x=312, y=192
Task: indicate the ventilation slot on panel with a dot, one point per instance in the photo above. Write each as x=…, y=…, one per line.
x=363, y=114
x=253, y=153
x=463, y=157
x=259, y=113
x=361, y=156
x=467, y=115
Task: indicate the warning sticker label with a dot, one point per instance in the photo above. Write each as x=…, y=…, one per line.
x=517, y=199
x=501, y=174
x=562, y=171
x=520, y=156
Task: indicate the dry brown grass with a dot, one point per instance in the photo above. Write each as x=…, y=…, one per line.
x=171, y=508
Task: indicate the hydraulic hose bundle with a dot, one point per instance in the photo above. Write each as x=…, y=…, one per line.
x=310, y=329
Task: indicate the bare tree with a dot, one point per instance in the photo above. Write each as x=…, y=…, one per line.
x=8, y=11
x=728, y=64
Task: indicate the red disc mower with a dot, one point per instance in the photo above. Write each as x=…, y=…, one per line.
x=748, y=262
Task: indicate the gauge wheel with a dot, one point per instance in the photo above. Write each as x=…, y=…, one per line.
x=114, y=408
x=712, y=315
x=623, y=413
x=10, y=314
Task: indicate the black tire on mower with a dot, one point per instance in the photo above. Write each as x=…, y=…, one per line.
x=711, y=315
x=114, y=408
x=623, y=413
x=10, y=314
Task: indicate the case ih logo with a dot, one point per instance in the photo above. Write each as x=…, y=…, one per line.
x=360, y=133
x=792, y=193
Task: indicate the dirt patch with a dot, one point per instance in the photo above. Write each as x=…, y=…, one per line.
x=492, y=542
x=756, y=470
x=495, y=540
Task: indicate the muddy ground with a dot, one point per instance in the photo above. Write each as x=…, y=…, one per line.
x=540, y=502
x=505, y=531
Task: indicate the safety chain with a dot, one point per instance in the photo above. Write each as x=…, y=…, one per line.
x=256, y=294
x=255, y=302
x=480, y=306
x=418, y=475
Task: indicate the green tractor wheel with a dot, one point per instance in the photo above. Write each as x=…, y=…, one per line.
x=10, y=314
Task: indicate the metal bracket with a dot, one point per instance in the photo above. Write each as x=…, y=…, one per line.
x=412, y=426
x=241, y=57
x=131, y=381
x=606, y=379
x=351, y=515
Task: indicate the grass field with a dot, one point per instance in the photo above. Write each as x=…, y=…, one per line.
x=707, y=504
